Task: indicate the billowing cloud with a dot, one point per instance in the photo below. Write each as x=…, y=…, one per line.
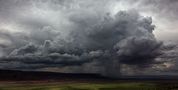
x=125, y=38
x=76, y=35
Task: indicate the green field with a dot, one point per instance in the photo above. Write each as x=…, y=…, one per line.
x=89, y=86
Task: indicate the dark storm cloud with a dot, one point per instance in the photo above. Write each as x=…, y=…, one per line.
x=77, y=33
x=139, y=51
x=125, y=38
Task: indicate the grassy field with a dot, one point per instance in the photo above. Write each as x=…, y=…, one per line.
x=89, y=86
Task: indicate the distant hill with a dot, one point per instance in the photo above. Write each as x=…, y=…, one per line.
x=16, y=75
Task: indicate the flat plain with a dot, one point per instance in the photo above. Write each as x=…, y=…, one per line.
x=89, y=86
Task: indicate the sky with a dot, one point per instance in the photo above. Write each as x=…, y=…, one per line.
x=109, y=37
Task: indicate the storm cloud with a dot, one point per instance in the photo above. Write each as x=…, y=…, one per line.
x=38, y=34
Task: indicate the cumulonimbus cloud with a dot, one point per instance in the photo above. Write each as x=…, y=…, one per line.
x=77, y=34
x=125, y=38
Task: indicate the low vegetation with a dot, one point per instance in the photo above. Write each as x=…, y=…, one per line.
x=90, y=86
